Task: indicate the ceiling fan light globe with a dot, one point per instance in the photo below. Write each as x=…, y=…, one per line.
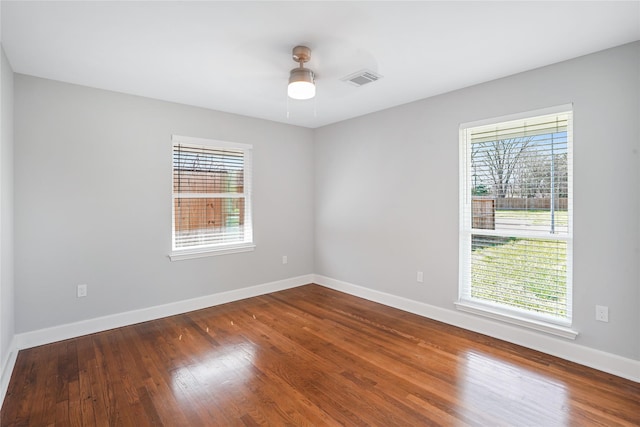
x=301, y=84
x=301, y=90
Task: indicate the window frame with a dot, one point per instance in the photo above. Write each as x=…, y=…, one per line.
x=537, y=321
x=224, y=248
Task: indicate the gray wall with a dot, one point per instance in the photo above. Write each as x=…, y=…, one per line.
x=7, y=327
x=387, y=190
x=93, y=203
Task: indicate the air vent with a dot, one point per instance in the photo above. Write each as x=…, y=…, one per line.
x=361, y=78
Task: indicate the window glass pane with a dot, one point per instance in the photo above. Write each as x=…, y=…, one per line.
x=520, y=183
x=208, y=221
x=524, y=273
x=207, y=170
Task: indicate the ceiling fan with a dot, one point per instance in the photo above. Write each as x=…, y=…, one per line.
x=302, y=83
x=338, y=66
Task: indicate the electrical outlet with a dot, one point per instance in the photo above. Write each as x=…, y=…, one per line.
x=284, y=259
x=81, y=291
x=420, y=277
x=602, y=313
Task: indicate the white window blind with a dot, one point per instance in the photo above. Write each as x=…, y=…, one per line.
x=516, y=210
x=211, y=194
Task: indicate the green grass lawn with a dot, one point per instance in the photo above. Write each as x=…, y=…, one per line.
x=517, y=271
x=535, y=217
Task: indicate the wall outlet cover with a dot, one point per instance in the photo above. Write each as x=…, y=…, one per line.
x=81, y=291
x=602, y=313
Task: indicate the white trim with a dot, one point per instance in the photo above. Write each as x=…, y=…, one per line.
x=519, y=116
x=7, y=369
x=540, y=326
x=568, y=350
x=206, y=252
x=99, y=324
x=209, y=196
x=521, y=234
x=180, y=139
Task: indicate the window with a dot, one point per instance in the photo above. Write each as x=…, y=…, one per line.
x=211, y=198
x=516, y=219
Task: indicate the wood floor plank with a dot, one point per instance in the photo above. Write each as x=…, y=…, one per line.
x=86, y=359
x=330, y=368
x=307, y=356
x=373, y=360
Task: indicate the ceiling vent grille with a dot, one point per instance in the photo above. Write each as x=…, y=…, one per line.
x=361, y=78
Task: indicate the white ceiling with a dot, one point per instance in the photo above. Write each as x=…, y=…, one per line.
x=236, y=56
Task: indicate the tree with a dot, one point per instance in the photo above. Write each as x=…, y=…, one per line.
x=537, y=171
x=498, y=161
x=480, y=190
x=533, y=175
x=561, y=182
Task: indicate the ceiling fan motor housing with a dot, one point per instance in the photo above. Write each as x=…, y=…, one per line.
x=301, y=75
x=301, y=54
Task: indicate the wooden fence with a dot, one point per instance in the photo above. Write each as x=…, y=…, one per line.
x=192, y=214
x=483, y=213
x=534, y=203
x=483, y=209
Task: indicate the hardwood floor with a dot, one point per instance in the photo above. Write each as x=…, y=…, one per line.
x=306, y=356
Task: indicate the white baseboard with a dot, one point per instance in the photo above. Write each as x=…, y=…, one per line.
x=7, y=369
x=568, y=350
x=99, y=324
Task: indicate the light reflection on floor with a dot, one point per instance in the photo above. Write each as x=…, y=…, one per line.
x=497, y=390
x=214, y=370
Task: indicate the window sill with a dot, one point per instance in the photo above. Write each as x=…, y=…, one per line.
x=538, y=325
x=207, y=252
